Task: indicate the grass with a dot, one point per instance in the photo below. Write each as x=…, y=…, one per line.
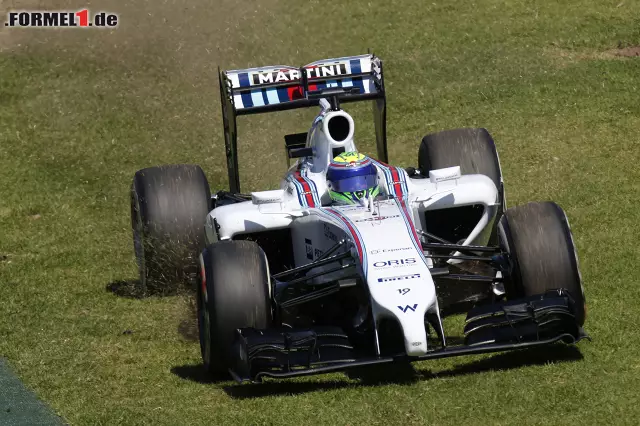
x=81, y=111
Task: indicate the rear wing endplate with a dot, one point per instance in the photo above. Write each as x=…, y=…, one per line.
x=281, y=87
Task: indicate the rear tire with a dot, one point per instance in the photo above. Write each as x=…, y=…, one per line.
x=470, y=148
x=538, y=239
x=233, y=292
x=169, y=205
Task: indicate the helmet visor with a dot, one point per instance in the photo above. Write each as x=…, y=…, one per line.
x=355, y=183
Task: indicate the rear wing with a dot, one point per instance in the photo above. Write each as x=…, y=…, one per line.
x=281, y=87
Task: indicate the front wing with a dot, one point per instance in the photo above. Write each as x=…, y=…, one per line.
x=283, y=353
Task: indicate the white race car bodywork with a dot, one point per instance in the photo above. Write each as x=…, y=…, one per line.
x=383, y=236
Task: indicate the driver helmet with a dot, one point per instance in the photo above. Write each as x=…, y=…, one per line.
x=352, y=178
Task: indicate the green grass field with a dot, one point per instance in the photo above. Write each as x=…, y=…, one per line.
x=82, y=110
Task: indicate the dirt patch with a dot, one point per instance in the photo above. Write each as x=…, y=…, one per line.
x=564, y=57
x=626, y=52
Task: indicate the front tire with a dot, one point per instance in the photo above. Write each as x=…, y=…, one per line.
x=543, y=256
x=473, y=150
x=233, y=292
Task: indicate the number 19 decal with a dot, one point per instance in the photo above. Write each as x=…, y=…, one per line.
x=404, y=291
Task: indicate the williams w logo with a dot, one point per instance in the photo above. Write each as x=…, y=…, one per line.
x=407, y=308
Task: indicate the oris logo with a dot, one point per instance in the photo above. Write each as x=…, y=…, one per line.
x=394, y=263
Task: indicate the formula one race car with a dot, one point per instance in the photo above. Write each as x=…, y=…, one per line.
x=354, y=262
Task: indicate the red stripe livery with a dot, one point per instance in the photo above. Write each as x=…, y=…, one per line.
x=306, y=188
x=352, y=231
x=396, y=182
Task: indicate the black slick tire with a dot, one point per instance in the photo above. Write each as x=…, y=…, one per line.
x=543, y=255
x=169, y=205
x=473, y=149
x=233, y=293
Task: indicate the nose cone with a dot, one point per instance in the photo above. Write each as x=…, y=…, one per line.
x=397, y=274
x=411, y=319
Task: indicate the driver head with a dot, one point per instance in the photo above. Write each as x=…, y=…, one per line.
x=352, y=179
